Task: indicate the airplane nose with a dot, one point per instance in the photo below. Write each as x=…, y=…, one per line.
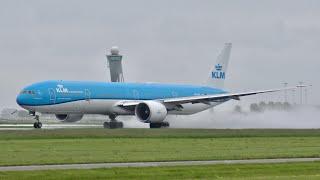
x=20, y=99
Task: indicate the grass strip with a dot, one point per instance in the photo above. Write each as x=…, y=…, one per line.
x=154, y=133
x=310, y=170
x=90, y=150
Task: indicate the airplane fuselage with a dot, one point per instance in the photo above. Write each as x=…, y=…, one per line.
x=77, y=97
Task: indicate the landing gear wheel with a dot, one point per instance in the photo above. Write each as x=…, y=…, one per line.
x=165, y=124
x=37, y=125
x=155, y=125
x=160, y=125
x=113, y=125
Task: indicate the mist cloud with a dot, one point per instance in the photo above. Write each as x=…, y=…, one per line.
x=298, y=118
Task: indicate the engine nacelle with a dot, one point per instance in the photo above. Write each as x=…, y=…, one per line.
x=69, y=117
x=151, y=112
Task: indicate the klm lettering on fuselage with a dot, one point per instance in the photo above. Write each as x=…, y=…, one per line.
x=218, y=74
x=61, y=89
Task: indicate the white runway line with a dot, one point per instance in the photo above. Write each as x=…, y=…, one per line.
x=15, y=129
x=46, y=126
x=59, y=126
x=16, y=125
x=152, y=164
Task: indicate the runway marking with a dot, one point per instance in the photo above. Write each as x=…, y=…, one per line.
x=152, y=164
x=5, y=127
x=15, y=125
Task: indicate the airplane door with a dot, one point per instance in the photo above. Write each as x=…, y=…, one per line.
x=52, y=96
x=87, y=94
x=174, y=94
x=85, y=107
x=136, y=94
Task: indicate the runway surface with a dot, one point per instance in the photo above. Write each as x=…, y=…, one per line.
x=152, y=164
x=46, y=126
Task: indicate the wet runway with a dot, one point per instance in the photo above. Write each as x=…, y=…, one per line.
x=152, y=164
x=46, y=126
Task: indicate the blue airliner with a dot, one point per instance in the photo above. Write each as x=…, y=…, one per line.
x=149, y=102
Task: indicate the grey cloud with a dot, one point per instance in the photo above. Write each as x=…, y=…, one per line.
x=163, y=41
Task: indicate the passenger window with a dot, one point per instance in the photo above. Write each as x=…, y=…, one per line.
x=28, y=92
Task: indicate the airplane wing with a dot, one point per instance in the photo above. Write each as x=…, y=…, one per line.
x=206, y=99
x=217, y=97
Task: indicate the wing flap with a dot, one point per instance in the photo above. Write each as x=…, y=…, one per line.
x=218, y=97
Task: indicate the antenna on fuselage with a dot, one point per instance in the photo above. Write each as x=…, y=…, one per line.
x=114, y=60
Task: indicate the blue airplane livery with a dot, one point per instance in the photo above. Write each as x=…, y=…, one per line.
x=151, y=103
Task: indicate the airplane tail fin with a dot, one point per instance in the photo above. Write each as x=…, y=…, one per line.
x=219, y=72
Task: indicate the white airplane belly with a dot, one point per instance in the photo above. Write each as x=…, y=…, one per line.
x=96, y=106
x=92, y=106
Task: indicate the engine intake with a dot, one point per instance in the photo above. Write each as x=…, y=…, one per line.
x=151, y=111
x=69, y=117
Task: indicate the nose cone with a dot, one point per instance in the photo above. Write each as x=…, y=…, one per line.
x=20, y=99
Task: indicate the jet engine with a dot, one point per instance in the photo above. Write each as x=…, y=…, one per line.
x=69, y=117
x=151, y=112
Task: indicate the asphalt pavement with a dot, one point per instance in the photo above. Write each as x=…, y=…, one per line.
x=151, y=164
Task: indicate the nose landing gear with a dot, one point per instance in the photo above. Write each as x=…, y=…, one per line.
x=37, y=124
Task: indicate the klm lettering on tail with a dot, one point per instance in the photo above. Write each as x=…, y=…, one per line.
x=218, y=74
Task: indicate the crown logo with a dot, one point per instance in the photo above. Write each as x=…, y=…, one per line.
x=218, y=67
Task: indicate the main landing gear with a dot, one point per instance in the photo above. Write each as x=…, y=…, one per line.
x=113, y=123
x=160, y=125
x=37, y=124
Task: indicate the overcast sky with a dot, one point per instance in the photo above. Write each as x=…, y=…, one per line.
x=162, y=41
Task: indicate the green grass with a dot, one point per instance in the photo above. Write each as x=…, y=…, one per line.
x=240, y=171
x=132, y=145
x=155, y=133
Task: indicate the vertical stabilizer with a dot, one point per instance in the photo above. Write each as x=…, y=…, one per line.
x=218, y=73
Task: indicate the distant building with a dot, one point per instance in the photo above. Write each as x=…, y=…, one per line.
x=115, y=65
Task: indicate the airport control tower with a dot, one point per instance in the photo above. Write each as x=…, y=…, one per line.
x=115, y=65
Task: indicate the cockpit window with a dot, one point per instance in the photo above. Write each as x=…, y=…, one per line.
x=28, y=92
